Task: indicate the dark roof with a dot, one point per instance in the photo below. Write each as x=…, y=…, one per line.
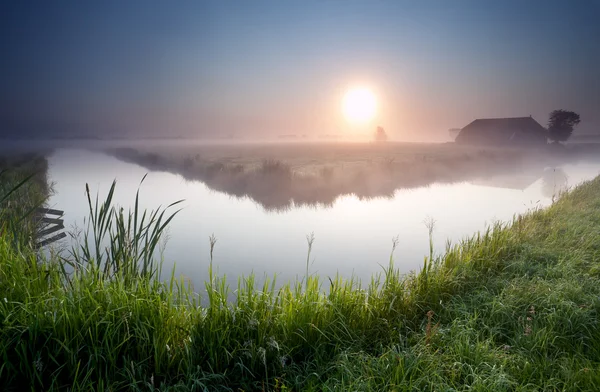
x=503, y=129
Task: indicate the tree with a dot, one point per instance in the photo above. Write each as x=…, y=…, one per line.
x=380, y=135
x=561, y=124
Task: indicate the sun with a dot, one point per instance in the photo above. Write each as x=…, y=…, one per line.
x=359, y=105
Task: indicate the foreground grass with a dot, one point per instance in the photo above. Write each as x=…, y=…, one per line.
x=515, y=308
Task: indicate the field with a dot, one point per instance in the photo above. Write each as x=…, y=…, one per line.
x=515, y=308
x=280, y=175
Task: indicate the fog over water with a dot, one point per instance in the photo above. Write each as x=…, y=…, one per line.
x=353, y=236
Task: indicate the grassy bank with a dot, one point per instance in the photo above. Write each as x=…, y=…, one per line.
x=515, y=308
x=23, y=187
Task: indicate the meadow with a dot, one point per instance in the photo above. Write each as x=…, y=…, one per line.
x=281, y=175
x=513, y=308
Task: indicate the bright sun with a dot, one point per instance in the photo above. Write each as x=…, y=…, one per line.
x=359, y=105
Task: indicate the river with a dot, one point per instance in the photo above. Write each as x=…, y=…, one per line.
x=352, y=237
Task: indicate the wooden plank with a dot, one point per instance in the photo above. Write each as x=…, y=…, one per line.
x=50, y=240
x=50, y=230
x=49, y=211
x=52, y=220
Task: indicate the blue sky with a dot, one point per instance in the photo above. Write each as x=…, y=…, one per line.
x=271, y=67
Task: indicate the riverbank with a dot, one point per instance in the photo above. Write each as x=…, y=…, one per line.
x=514, y=308
x=19, y=198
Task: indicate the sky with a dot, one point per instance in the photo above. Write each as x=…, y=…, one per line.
x=258, y=68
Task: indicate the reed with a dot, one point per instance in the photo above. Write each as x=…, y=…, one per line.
x=120, y=244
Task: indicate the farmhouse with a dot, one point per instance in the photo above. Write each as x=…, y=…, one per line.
x=516, y=131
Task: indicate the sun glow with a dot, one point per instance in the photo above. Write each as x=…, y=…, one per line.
x=359, y=105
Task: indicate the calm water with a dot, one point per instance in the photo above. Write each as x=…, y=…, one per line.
x=351, y=237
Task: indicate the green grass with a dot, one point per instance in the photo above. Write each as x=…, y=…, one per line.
x=515, y=308
x=23, y=188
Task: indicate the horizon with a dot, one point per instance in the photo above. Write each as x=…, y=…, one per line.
x=265, y=69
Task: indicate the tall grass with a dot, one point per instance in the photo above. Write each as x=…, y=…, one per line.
x=118, y=243
x=512, y=308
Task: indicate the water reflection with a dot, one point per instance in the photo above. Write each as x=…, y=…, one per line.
x=554, y=182
x=352, y=235
x=276, y=187
x=517, y=180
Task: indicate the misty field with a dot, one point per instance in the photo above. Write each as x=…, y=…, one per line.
x=312, y=158
x=281, y=175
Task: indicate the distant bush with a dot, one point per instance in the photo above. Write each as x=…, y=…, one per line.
x=326, y=173
x=214, y=168
x=275, y=167
x=236, y=169
x=153, y=158
x=380, y=135
x=188, y=162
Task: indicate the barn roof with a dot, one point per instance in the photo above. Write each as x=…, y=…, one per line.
x=502, y=130
x=506, y=125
